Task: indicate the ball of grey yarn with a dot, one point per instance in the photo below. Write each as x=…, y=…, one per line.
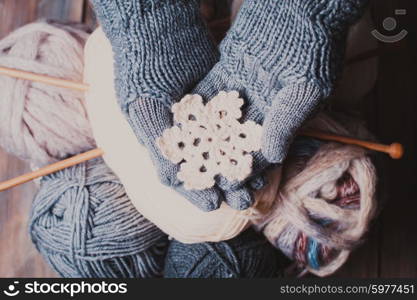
x=84, y=225
x=248, y=255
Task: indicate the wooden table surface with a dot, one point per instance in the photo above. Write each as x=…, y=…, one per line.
x=390, y=112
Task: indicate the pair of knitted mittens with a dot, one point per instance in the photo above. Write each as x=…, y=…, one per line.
x=281, y=56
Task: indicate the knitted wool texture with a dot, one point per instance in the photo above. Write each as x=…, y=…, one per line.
x=41, y=123
x=162, y=48
x=82, y=221
x=247, y=256
x=84, y=225
x=283, y=57
x=168, y=210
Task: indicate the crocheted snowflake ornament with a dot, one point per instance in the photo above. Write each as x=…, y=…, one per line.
x=209, y=140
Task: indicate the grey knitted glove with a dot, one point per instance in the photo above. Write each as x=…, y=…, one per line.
x=283, y=57
x=162, y=49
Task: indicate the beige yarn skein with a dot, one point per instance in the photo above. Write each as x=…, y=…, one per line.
x=41, y=123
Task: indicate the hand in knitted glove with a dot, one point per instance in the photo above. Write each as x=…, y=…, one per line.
x=283, y=57
x=162, y=49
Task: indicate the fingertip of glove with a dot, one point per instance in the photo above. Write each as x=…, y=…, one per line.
x=206, y=200
x=274, y=154
x=240, y=199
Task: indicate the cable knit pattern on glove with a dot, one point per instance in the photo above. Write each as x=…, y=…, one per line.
x=162, y=48
x=283, y=57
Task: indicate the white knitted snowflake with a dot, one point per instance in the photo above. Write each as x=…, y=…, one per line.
x=209, y=140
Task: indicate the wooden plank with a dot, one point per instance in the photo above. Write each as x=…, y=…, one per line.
x=18, y=257
x=390, y=113
x=14, y=13
x=67, y=10
x=89, y=17
x=363, y=261
x=394, y=114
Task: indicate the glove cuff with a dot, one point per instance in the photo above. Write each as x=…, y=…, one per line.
x=282, y=42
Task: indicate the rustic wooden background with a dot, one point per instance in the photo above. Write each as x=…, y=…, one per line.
x=390, y=112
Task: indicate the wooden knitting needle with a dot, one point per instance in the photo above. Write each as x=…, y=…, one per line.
x=55, y=167
x=395, y=150
x=62, y=83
